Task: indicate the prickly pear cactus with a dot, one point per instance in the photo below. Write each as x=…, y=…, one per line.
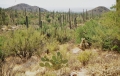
x=56, y=62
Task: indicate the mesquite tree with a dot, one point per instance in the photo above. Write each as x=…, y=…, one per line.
x=118, y=12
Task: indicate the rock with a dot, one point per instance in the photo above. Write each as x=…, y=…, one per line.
x=31, y=73
x=4, y=29
x=73, y=74
x=76, y=50
x=111, y=56
x=82, y=72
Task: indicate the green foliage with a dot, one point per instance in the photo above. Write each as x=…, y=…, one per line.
x=48, y=20
x=2, y=53
x=52, y=45
x=108, y=19
x=56, y=62
x=23, y=43
x=87, y=31
x=99, y=34
x=21, y=21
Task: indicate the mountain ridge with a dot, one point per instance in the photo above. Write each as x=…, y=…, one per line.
x=98, y=10
x=27, y=7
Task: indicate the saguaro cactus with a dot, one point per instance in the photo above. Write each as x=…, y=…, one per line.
x=63, y=17
x=86, y=15
x=27, y=22
x=26, y=19
x=75, y=22
x=83, y=16
x=0, y=16
x=40, y=22
x=53, y=15
x=92, y=13
x=69, y=20
x=25, y=12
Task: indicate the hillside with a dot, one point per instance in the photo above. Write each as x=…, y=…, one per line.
x=23, y=6
x=99, y=10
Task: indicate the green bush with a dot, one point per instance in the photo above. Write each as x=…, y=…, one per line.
x=85, y=56
x=23, y=43
x=48, y=20
x=91, y=31
x=98, y=34
x=2, y=53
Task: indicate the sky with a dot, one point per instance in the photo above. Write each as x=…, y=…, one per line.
x=60, y=4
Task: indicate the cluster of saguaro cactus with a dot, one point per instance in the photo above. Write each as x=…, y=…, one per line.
x=69, y=18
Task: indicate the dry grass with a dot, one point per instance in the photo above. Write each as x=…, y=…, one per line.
x=103, y=63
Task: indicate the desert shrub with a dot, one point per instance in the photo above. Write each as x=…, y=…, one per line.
x=2, y=53
x=90, y=31
x=98, y=34
x=64, y=35
x=105, y=69
x=85, y=56
x=21, y=21
x=52, y=45
x=48, y=20
x=110, y=20
x=23, y=43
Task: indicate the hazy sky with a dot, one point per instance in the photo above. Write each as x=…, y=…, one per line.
x=59, y=4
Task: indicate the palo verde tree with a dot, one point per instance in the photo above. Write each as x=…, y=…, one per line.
x=118, y=12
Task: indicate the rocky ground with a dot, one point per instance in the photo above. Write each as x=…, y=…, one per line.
x=103, y=64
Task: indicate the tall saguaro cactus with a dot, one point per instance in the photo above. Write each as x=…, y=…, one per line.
x=75, y=22
x=86, y=15
x=40, y=22
x=27, y=22
x=53, y=15
x=63, y=17
x=83, y=16
x=69, y=20
x=26, y=19
x=25, y=12
x=0, y=16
